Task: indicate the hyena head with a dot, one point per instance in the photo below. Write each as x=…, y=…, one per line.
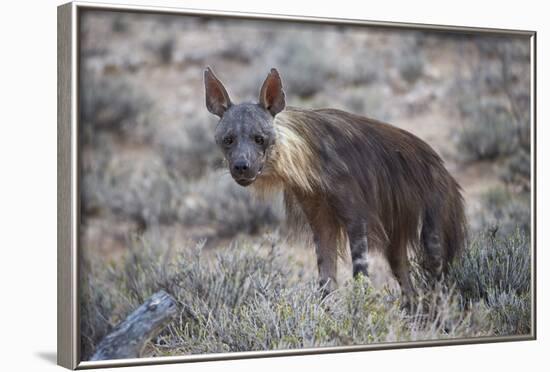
x=245, y=131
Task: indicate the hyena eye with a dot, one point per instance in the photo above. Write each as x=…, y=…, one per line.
x=259, y=140
x=228, y=141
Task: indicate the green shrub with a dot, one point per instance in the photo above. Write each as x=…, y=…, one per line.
x=497, y=272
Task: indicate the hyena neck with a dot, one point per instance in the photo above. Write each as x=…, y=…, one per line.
x=291, y=164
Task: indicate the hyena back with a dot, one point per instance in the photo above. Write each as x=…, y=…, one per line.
x=354, y=179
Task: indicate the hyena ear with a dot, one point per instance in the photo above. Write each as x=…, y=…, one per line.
x=272, y=96
x=217, y=99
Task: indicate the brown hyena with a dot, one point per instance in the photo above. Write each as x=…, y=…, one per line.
x=354, y=179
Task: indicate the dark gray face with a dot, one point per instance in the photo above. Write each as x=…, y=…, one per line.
x=245, y=132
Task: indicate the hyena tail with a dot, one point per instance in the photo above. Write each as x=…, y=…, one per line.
x=443, y=234
x=455, y=230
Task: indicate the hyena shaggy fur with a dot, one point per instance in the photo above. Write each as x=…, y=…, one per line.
x=354, y=179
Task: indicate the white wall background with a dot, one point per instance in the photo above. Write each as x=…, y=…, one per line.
x=28, y=184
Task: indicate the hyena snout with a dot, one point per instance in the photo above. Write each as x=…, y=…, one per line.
x=244, y=172
x=241, y=167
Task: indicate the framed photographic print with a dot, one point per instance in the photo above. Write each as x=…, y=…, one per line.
x=236, y=185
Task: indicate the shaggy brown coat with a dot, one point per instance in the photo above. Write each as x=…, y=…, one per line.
x=356, y=181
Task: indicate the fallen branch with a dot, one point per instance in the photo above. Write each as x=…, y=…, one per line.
x=129, y=337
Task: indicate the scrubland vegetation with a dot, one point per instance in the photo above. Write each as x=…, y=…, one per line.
x=159, y=211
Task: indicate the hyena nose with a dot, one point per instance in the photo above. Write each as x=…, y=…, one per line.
x=241, y=166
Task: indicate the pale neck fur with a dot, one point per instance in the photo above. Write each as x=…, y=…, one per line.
x=291, y=162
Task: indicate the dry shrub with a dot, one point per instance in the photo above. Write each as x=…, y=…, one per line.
x=251, y=296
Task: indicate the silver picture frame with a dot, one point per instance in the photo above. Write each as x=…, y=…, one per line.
x=68, y=185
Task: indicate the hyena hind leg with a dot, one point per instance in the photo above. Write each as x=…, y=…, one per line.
x=430, y=237
x=401, y=269
x=359, y=247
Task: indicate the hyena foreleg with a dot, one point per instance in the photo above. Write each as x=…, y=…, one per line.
x=325, y=231
x=327, y=259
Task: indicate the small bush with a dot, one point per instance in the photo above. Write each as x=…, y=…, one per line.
x=490, y=132
x=411, y=66
x=510, y=312
x=505, y=212
x=140, y=191
x=365, y=68
x=305, y=64
x=218, y=201
x=166, y=50
x=517, y=170
x=236, y=50
x=120, y=24
x=361, y=100
x=111, y=104
x=497, y=272
x=189, y=151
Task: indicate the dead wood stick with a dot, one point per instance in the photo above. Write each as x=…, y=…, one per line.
x=129, y=337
